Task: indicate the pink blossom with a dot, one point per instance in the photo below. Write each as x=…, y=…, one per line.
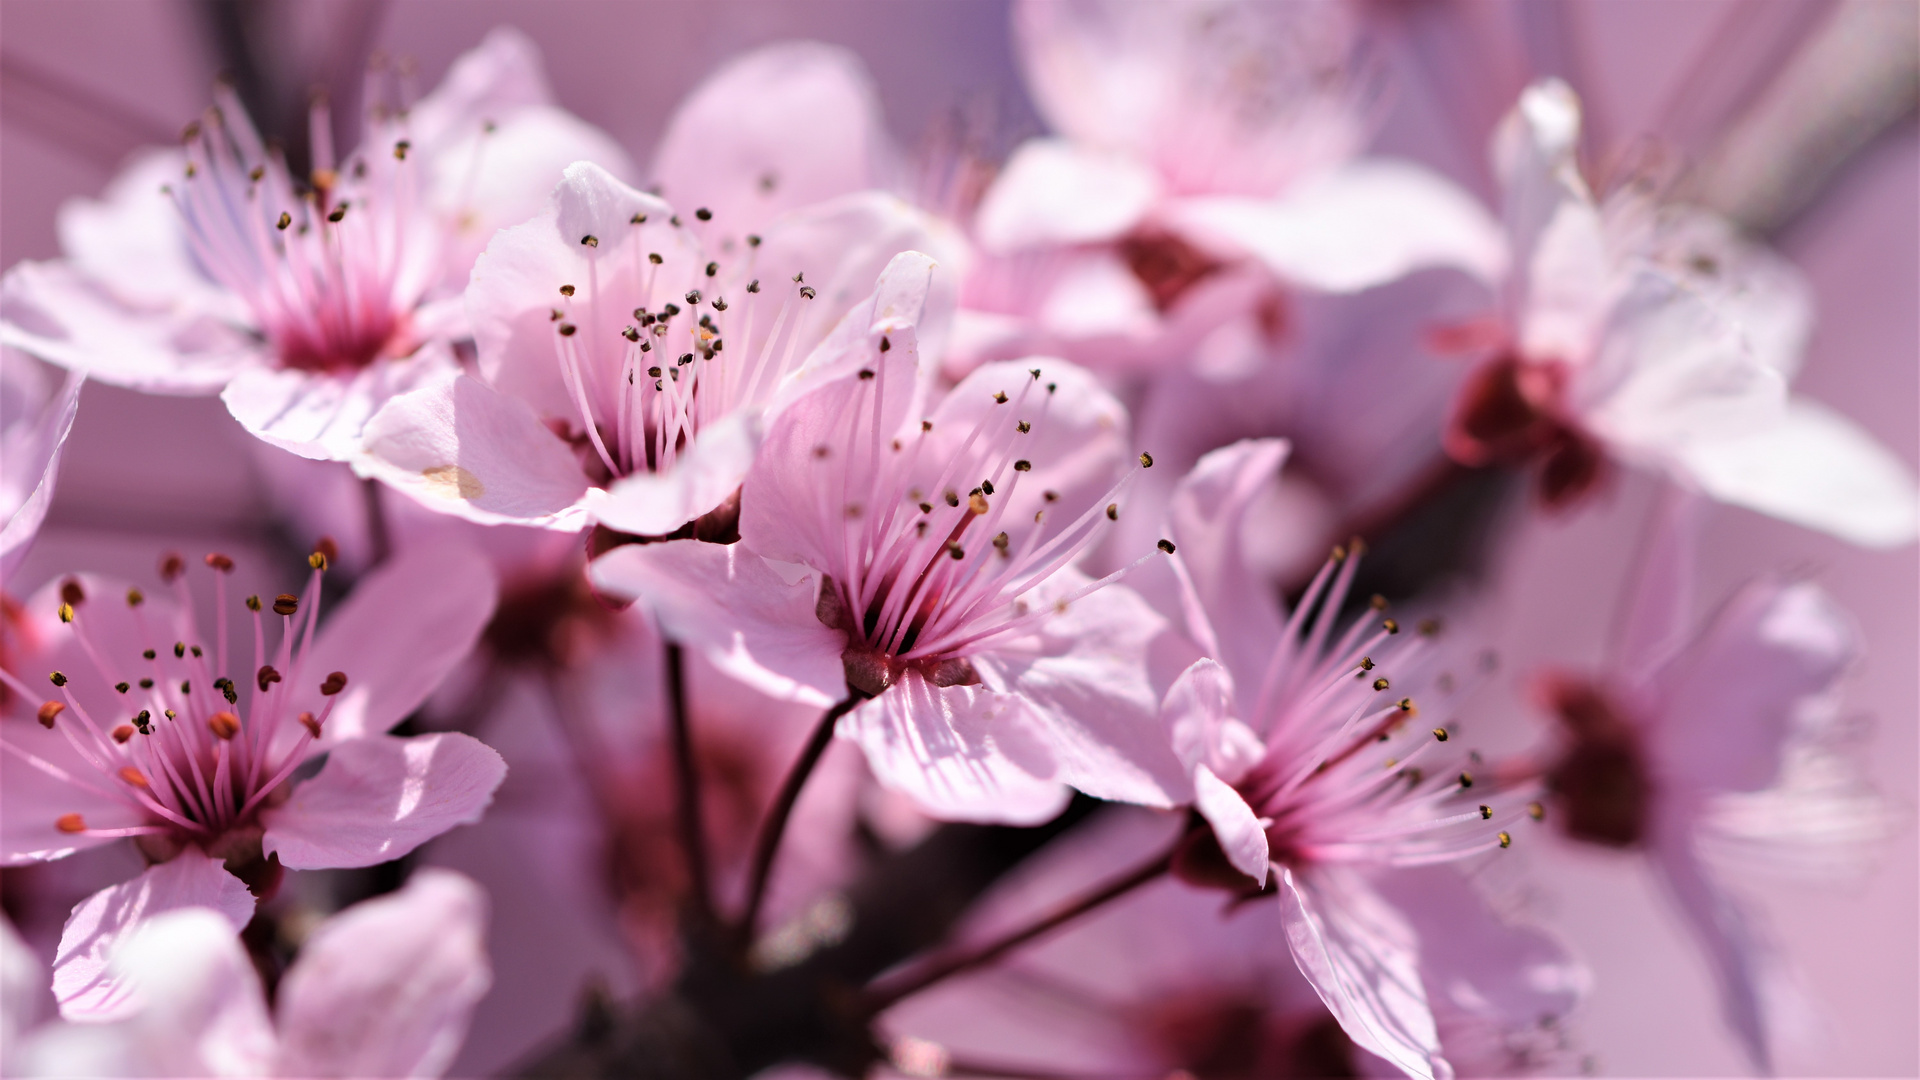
x=36, y=412
x=1725, y=743
x=144, y=740
x=1323, y=752
x=306, y=301
x=920, y=554
x=1202, y=150
x=630, y=349
x=1657, y=337
x=383, y=988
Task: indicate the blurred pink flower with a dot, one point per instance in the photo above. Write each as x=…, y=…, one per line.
x=306, y=301
x=1726, y=742
x=1203, y=151
x=199, y=781
x=36, y=412
x=383, y=988
x=910, y=555
x=598, y=391
x=1657, y=337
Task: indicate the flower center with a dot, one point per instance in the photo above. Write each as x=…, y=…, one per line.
x=1511, y=412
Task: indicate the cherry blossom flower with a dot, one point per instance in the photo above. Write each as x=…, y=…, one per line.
x=922, y=558
x=1307, y=759
x=1725, y=743
x=148, y=737
x=36, y=412
x=628, y=348
x=1657, y=337
x=383, y=988
x=304, y=301
x=1202, y=149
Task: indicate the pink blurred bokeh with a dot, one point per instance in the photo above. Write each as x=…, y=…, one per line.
x=623, y=66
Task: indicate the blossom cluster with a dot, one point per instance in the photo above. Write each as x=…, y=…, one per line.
x=1023, y=606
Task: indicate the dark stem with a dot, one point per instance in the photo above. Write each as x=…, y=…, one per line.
x=693, y=834
x=884, y=993
x=767, y=845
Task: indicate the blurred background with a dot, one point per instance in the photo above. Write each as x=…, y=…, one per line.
x=85, y=83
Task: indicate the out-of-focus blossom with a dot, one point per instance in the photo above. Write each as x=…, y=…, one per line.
x=629, y=349
x=36, y=412
x=1726, y=741
x=1201, y=148
x=305, y=301
x=384, y=988
x=1307, y=758
x=1655, y=336
x=148, y=739
x=922, y=557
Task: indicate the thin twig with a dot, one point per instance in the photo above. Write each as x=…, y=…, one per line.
x=767, y=845
x=693, y=834
x=884, y=993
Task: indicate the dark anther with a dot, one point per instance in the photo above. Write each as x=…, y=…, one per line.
x=123, y=687
x=590, y=240
x=567, y=329
x=566, y=290
x=1505, y=840
x=219, y=562
x=1486, y=813
x=885, y=344
x=654, y=258
x=149, y=654
x=1146, y=460
x=693, y=298
x=713, y=268
x=224, y=725
x=71, y=592
x=1380, y=684
x=1166, y=546
x=753, y=240
x=865, y=374
x=1024, y=427
x=1389, y=626
x=719, y=303
x=1113, y=511
x=253, y=604
x=266, y=677
x=339, y=214
x=400, y=150
x=286, y=604
x=336, y=682
x=637, y=219
x=1466, y=780
x=135, y=598
x=753, y=286
x=286, y=219
x=1000, y=397
x=1022, y=465
x=172, y=566
x=703, y=214
x=1440, y=734
x=50, y=710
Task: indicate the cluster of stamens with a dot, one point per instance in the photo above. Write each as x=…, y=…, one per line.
x=185, y=752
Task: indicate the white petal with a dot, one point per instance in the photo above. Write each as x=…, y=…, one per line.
x=322, y=415
x=1241, y=835
x=204, y=1013
x=1053, y=192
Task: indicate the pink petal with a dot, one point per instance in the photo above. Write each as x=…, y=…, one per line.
x=1744, y=966
x=773, y=130
x=752, y=622
x=1361, y=958
x=1242, y=837
x=1200, y=717
x=38, y=409
x=1729, y=702
x=1054, y=193
x=385, y=988
x=1813, y=467
x=321, y=415
x=379, y=797
x=132, y=244
x=1657, y=617
x=463, y=448
x=500, y=75
x=962, y=753
x=1364, y=224
x=202, y=1011
x=903, y=297
x=401, y=631
x=1229, y=611
x=85, y=987
x=33, y=800
x=707, y=473
x=22, y=983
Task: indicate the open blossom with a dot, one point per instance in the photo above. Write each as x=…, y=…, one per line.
x=1725, y=741
x=36, y=412
x=629, y=347
x=148, y=736
x=1318, y=751
x=383, y=988
x=305, y=300
x=921, y=557
x=1202, y=151
x=1656, y=337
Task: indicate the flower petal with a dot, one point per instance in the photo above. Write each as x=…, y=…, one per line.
x=736, y=607
x=963, y=753
x=1053, y=193
x=773, y=130
x=385, y=988
x=461, y=447
x=1241, y=836
x=202, y=1010
x=1361, y=958
x=1656, y=619
x=321, y=415
x=37, y=408
x=713, y=468
x=82, y=981
x=1744, y=966
x=1361, y=225
x=1815, y=468
x=403, y=629
x=379, y=797
x=1228, y=610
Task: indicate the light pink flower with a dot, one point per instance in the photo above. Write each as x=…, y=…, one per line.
x=922, y=556
x=1656, y=337
x=630, y=349
x=36, y=412
x=1697, y=747
x=383, y=988
x=1202, y=150
x=147, y=737
x=1322, y=752
x=305, y=301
